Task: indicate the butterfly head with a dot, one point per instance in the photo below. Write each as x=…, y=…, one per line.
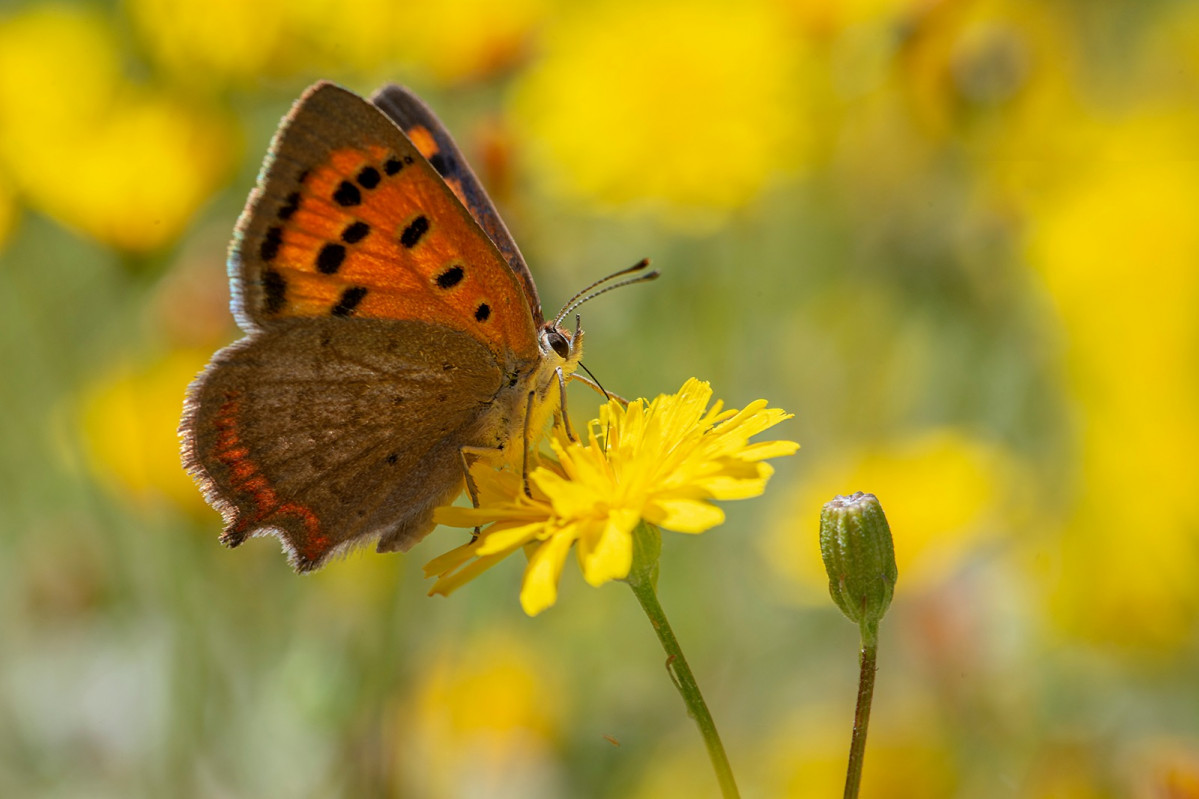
x=560, y=346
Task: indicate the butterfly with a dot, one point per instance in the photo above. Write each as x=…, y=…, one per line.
x=392, y=330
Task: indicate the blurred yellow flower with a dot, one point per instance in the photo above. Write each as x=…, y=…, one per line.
x=1166, y=767
x=484, y=720
x=976, y=62
x=217, y=40
x=129, y=419
x=906, y=757
x=456, y=40
x=679, y=768
x=230, y=41
x=663, y=461
x=1117, y=248
x=820, y=18
x=8, y=211
x=123, y=164
x=945, y=493
x=689, y=107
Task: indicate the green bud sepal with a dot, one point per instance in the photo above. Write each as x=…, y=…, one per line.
x=859, y=557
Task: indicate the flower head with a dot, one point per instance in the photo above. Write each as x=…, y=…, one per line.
x=663, y=461
x=748, y=105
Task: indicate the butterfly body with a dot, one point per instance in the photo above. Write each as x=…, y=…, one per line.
x=391, y=325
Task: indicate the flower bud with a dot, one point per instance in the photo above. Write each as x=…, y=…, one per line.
x=855, y=544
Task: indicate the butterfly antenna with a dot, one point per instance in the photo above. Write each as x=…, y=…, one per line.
x=591, y=292
x=607, y=396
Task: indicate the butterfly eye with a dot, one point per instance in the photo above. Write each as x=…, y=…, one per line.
x=558, y=343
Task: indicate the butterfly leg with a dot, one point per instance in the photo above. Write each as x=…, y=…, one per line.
x=524, y=469
x=471, y=489
x=570, y=433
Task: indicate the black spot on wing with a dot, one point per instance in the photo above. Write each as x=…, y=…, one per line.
x=271, y=244
x=349, y=301
x=412, y=234
x=451, y=277
x=355, y=232
x=293, y=202
x=329, y=259
x=393, y=165
x=483, y=312
x=369, y=177
x=347, y=194
x=274, y=291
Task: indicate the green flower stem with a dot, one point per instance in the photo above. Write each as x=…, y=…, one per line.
x=868, y=660
x=643, y=579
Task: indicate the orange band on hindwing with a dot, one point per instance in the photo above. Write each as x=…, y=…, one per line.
x=247, y=481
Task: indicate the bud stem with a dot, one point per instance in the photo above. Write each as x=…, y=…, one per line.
x=867, y=659
x=642, y=579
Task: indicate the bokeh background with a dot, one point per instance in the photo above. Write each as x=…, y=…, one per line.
x=958, y=239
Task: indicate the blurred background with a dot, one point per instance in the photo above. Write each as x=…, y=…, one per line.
x=959, y=240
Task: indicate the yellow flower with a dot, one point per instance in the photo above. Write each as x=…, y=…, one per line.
x=1116, y=248
x=686, y=108
x=234, y=42
x=126, y=164
x=830, y=20
x=458, y=40
x=990, y=60
x=218, y=41
x=662, y=461
x=223, y=42
x=909, y=754
x=485, y=711
x=128, y=421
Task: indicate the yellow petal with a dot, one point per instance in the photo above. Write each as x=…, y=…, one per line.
x=497, y=540
x=449, y=561
x=539, y=589
x=684, y=515
x=610, y=554
x=769, y=449
x=457, y=516
x=725, y=486
x=448, y=583
x=567, y=497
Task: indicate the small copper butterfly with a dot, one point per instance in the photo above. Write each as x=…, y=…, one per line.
x=391, y=325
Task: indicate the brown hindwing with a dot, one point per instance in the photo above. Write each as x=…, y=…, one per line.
x=330, y=434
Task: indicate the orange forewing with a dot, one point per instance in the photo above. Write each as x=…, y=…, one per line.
x=357, y=222
x=425, y=130
x=424, y=141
